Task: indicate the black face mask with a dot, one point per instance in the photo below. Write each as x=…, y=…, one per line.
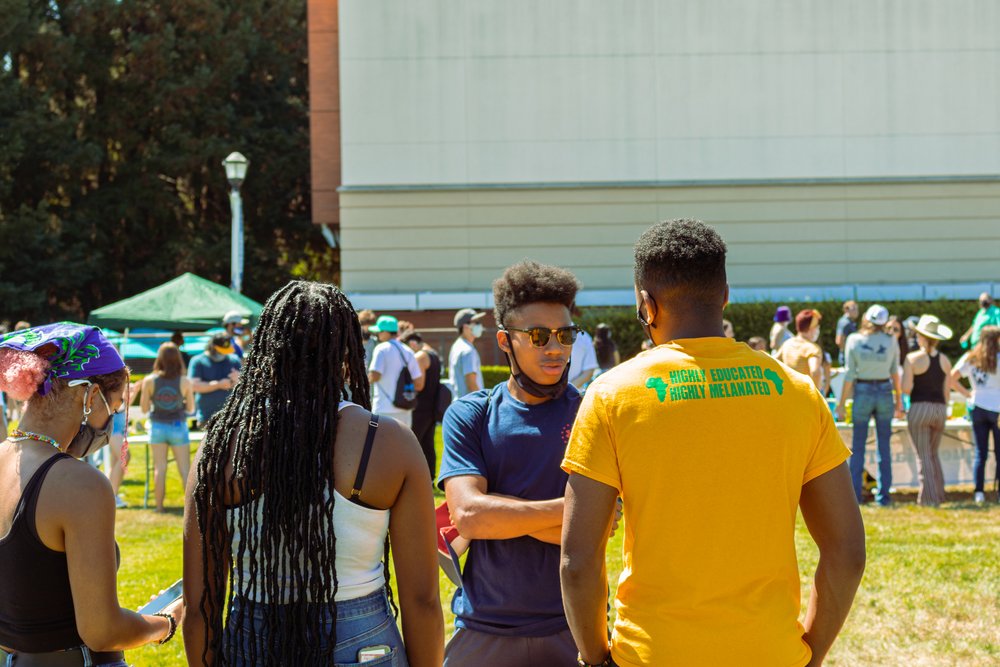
x=985, y=305
x=550, y=391
x=89, y=439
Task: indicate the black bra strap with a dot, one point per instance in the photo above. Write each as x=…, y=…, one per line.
x=365, y=455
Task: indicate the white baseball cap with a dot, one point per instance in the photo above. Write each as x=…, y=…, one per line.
x=234, y=317
x=877, y=315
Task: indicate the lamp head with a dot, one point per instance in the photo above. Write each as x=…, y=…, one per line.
x=236, y=168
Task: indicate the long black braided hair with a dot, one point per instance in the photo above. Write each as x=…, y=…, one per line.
x=279, y=427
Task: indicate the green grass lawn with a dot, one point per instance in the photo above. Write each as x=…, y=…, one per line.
x=930, y=596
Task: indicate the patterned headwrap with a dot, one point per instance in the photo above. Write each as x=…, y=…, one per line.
x=74, y=351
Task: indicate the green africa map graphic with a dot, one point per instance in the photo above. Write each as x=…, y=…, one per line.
x=689, y=384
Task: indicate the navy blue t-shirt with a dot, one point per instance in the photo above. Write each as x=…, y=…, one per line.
x=511, y=587
x=204, y=369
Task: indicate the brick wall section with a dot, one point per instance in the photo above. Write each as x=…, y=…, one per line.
x=324, y=110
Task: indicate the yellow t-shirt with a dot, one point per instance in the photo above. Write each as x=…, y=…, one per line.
x=709, y=444
x=796, y=353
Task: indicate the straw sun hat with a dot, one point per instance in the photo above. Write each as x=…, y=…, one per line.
x=930, y=326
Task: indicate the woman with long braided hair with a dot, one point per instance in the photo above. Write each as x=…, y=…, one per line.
x=296, y=493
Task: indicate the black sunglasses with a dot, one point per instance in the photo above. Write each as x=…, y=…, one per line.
x=539, y=336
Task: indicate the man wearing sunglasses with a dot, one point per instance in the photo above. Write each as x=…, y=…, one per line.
x=500, y=473
x=712, y=447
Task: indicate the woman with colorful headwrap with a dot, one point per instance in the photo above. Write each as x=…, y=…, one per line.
x=58, y=558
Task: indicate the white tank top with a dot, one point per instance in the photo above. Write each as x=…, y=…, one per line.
x=360, y=533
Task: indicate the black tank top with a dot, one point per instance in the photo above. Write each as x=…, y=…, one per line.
x=928, y=387
x=427, y=399
x=36, y=603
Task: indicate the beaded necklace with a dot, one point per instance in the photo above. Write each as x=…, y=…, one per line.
x=17, y=435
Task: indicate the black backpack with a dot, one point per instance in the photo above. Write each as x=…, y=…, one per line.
x=406, y=392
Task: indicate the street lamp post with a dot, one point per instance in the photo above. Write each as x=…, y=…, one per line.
x=236, y=171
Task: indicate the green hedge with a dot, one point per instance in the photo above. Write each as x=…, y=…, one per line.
x=755, y=319
x=494, y=375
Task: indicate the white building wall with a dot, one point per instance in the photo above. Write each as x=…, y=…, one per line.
x=449, y=92
x=834, y=144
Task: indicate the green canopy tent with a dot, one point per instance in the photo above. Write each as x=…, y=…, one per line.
x=186, y=303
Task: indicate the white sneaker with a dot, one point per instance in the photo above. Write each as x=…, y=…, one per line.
x=980, y=497
x=120, y=502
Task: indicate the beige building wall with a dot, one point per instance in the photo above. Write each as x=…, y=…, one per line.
x=580, y=91
x=782, y=235
x=833, y=144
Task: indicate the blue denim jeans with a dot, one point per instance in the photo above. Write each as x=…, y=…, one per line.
x=984, y=422
x=872, y=398
x=361, y=622
x=173, y=433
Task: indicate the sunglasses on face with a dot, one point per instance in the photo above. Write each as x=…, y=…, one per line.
x=539, y=336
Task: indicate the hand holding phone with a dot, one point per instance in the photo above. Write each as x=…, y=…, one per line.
x=177, y=609
x=164, y=599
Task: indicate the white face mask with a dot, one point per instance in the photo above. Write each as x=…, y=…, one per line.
x=815, y=335
x=476, y=329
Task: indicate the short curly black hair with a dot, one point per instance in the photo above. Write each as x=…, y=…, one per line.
x=530, y=282
x=683, y=261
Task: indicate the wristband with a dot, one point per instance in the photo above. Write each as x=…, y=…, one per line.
x=173, y=627
x=582, y=663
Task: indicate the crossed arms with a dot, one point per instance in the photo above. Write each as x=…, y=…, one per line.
x=479, y=515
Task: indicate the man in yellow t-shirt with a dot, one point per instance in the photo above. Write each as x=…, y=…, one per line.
x=712, y=447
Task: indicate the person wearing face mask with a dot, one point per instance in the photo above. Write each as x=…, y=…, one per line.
x=987, y=315
x=711, y=446
x=58, y=558
x=464, y=366
x=213, y=375
x=501, y=477
x=801, y=352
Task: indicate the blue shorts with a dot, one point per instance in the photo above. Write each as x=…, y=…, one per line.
x=171, y=433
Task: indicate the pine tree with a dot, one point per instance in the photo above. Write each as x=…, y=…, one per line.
x=114, y=118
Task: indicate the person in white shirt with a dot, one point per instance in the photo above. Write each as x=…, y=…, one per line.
x=583, y=359
x=981, y=367
x=388, y=359
x=464, y=366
